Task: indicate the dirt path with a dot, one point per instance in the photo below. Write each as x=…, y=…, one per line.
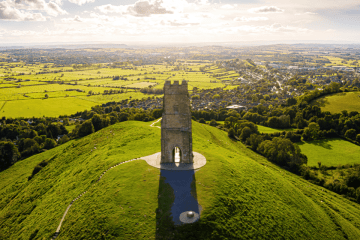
x=153, y=124
x=5, y=104
x=72, y=202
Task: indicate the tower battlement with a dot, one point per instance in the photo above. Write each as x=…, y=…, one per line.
x=176, y=88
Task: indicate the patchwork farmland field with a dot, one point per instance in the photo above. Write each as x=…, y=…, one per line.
x=28, y=90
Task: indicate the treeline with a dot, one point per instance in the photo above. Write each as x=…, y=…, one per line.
x=149, y=90
x=276, y=147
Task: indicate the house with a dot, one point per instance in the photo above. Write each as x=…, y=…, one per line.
x=236, y=107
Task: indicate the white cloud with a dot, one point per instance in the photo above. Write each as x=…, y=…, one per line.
x=75, y=19
x=202, y=2
x=305, y=13
x=266, y=9
x=314, y=5
x=109, y=8
x=227, y=6
x=146, y=8
x=52, y=8
x=10, y=13
x=81, y=2
x=250, y=19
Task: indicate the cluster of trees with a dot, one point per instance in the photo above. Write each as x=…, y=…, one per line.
x=21, y=139
x=278, y=148
x=149, y=90
x=296, y=113
x=349, y=188
x=112, y=91
x=120, y=78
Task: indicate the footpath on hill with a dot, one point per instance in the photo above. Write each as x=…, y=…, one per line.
x=242, y=194
x=179, y=179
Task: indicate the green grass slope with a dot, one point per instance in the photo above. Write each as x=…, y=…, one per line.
x=241, y=193
x=330, y=152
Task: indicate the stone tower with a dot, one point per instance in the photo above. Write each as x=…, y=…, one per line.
x=176, y=123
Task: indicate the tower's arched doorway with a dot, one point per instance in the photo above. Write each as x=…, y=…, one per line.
x=176, y=123
x=176, y=155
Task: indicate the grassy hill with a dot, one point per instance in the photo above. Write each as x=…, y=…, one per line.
x=335, y=103
x=241, y=193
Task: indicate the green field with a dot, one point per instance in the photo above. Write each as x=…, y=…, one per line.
x=263, y=129
x=53, y=107
x=338, y=102
x=338, y=61
x=242, y=195
x=330, y=152
x=45, y=107
x=70, y=127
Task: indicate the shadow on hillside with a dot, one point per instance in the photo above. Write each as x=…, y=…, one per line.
x=321, y=143
x=176, y=194
x=320, y=102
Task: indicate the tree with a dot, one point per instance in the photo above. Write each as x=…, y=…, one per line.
x=293, y=136
x=9, y=154
x=358, y=138
x=312, y=131
x=96, y=122
x=54, y=129
x=195, y=97
x=202, y=120
x=30, y=147
x=291, y=101
x=230, y=122
x=63, y=139
x=254, y=140
x=245, y=133
x=86, y=128
x=157, y=113
x=46, y=95
x=49, y=143
x=351, y=133
x=353, y=180
x=213, y=123
x=358, y=194
x=282, y=151
x=231, y=133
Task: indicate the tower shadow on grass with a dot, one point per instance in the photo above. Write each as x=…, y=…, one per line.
x=177, y=194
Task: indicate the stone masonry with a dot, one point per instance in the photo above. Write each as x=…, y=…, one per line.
x=176, y=123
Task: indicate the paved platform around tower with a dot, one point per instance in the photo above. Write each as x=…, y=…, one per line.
x=154, y=160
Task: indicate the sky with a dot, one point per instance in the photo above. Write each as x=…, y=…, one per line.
x=178, y=21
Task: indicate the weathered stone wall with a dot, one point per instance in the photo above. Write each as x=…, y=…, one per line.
x=176, y=123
